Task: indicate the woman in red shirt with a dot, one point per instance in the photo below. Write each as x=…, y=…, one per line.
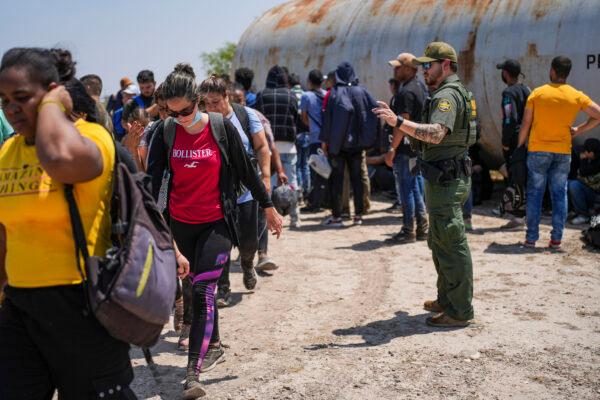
x=206, y=168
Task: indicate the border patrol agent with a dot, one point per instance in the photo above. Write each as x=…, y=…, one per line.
x=443, y=139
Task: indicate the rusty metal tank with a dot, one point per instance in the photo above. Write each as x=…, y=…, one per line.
x=307, y=34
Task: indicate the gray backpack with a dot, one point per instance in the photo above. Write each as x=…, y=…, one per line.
x=131, y=289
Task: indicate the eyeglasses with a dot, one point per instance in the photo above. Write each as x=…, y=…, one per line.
x=427, y=65
x=183, y=113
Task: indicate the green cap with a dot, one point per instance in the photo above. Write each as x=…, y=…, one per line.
x=437, y=51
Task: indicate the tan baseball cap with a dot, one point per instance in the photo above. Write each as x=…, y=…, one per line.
x=437, y=51
x=403, y=59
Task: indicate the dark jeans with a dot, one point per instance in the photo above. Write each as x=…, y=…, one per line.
x=248, y=230
x=468, y=207
x=413, y=205
x=47, y=343
x=319, y=184
x=303, y=170
x=338, y=164
x=582, y=197
x=263, y=233
x=207, y=247
x=553, y=169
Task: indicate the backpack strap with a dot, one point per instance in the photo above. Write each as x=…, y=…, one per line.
x=138, y=99
x=169, y=131
x=242, y=115
x=217, y=125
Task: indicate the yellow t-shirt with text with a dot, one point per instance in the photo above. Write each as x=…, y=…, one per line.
x=34, y=211
x=555, y=107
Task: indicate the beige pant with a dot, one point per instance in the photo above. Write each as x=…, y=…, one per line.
x=366, y=184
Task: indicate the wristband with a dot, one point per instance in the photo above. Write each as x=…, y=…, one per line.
x=399, y=121
x=45, y=102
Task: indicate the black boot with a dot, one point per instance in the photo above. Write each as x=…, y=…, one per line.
x=422, y=228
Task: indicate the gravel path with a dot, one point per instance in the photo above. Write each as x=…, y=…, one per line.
x=342, y=319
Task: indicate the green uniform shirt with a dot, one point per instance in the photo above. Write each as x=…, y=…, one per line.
x=446, y=108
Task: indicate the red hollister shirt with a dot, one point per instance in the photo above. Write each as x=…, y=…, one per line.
x=196, y=164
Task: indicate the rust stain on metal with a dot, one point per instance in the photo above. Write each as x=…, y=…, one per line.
x=307, y=61
x=376, y=6
x=318, y=15
x=466, y=58
x=294, y=14
x=328, y=40
x=278, y=9
x=273, y=55
x=532, y=50
x=302, y=11
x=541, y=8
x=321, y=61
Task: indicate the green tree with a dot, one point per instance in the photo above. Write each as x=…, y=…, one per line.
x=219, y=61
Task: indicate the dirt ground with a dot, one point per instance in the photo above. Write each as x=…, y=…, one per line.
x=342, y=319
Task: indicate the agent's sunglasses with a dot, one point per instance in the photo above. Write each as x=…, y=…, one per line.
x=427, y=65
x=182, y=113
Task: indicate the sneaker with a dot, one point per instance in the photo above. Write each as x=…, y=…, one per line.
x=580, y=220
x=497, y=211
x=395, y=208
x=192, y=388
x=468, y=225
x=214, y=355
x=346, y=215
x=295, y=224
x=223, y=297
x=433, y=306
x=178, y=315
x=357, y=221
x=249, y=278
x=265, y=264
x=442, y=320
x=402, y=237
x=554, y=244
x=333, y=222
x=422, y=229
x=184, y=338
x=528, y=244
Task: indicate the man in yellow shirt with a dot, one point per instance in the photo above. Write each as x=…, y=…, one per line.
x=549, y=113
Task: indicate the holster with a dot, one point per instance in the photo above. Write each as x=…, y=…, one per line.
x=445, y=170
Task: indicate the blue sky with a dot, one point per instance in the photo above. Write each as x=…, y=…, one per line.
x=114, y=38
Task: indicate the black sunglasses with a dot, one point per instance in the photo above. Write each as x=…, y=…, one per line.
x=182, y=113
x=428, y=65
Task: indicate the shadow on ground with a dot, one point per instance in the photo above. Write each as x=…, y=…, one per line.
x=382, y=332
x=513, y=248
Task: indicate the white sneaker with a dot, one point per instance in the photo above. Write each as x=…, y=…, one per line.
x=333, y=222
x=580, y=220
x=295, y=224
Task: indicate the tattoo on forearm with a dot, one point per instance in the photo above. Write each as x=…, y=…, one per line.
x=429, y=133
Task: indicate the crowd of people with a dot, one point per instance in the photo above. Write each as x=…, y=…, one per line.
x=226, y=162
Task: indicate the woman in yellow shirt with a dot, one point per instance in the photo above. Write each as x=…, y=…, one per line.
x=48, y=339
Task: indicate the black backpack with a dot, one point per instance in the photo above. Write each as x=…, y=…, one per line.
x=592, y=235
x=131, y=289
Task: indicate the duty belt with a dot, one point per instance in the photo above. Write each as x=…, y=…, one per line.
x=445, y=170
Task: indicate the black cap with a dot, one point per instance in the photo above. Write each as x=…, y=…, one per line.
x=513, y=67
